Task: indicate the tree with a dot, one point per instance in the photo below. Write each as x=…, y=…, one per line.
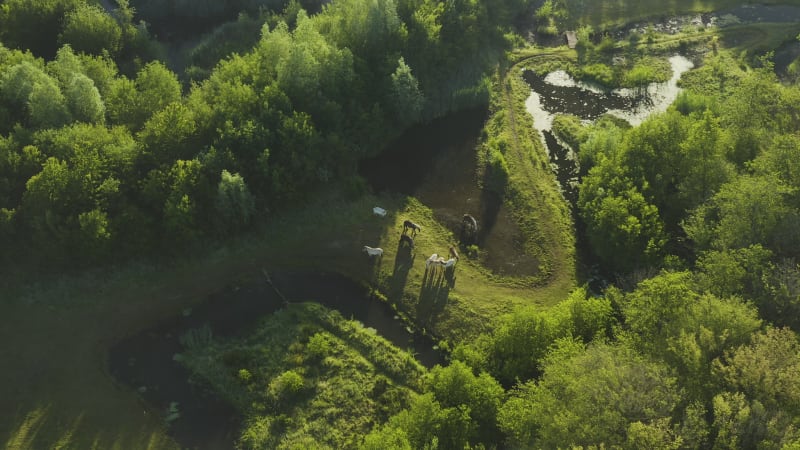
x=762, y=405
x=169, y=135
x=623, y=228
x=704, y=167
x=89, y=29
x=746, y=211
x=428, y=425
x=455, y=386
x=34, y=24
x=600, y=396
x=84, y=101
x=406, y=99
x=47, y=105
x=17, y=84
x=234, y=202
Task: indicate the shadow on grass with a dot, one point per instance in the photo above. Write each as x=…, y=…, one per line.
x=403, y=261
x=433, y=295
x=490, y=208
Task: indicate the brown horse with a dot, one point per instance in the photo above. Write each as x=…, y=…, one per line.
x=412, y=226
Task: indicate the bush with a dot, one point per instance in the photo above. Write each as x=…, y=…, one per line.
x=599, y=73
x=286, y=385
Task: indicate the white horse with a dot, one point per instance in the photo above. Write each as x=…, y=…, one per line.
x=434, y=259
x=372, y=251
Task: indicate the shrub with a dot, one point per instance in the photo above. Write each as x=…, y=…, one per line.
x=286, y=385
x=599, y=73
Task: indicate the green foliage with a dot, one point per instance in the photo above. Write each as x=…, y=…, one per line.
x=748, y=210
x=406, y=98
x=624, y=229
x=598, y=73
x=286, y=386
x=234, y=203
x=83, y=100
x=316, y=380
x=47, y=105
x=761, y=407
x=646, y=71
x=34, y=24
x=89, y=29
x=670, y=321
x=591, y=397
x=455, y=386
x=520, y=341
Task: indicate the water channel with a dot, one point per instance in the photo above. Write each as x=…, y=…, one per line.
x=145, y=361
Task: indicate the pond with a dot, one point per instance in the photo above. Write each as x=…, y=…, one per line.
x=145, y=361
x=558, y=93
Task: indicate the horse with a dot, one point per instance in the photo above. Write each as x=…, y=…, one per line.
x=453, y=252
x=435, y=260
x=406, y=240
x=469, y=229
x=372, y=251
x=411, y=225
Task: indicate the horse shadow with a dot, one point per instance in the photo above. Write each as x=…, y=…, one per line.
x=403, y=261
x=433, y=295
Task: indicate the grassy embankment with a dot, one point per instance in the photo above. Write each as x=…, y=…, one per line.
x=307, y=378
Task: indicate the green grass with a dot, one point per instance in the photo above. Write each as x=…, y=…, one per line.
x=306, y=376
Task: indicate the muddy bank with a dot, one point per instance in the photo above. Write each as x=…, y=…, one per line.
x=145, y=361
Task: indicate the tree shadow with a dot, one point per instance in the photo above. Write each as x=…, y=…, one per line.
x=490, y=208
x=433, y=295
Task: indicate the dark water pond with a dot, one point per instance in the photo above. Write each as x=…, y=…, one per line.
x=145, y=361
x=558, y=93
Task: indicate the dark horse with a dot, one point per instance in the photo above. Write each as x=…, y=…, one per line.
x=469, y=229
x=411, y=225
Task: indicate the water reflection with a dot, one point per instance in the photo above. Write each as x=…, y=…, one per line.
x=559, y=93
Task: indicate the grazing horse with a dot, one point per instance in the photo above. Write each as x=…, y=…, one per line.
x=411, y=225
x=406, y=240
x=372, y=251
x=453, y=252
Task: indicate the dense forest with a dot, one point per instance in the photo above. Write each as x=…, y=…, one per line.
x=677, y=325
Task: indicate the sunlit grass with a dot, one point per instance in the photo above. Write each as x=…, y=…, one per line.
x=45, y=428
